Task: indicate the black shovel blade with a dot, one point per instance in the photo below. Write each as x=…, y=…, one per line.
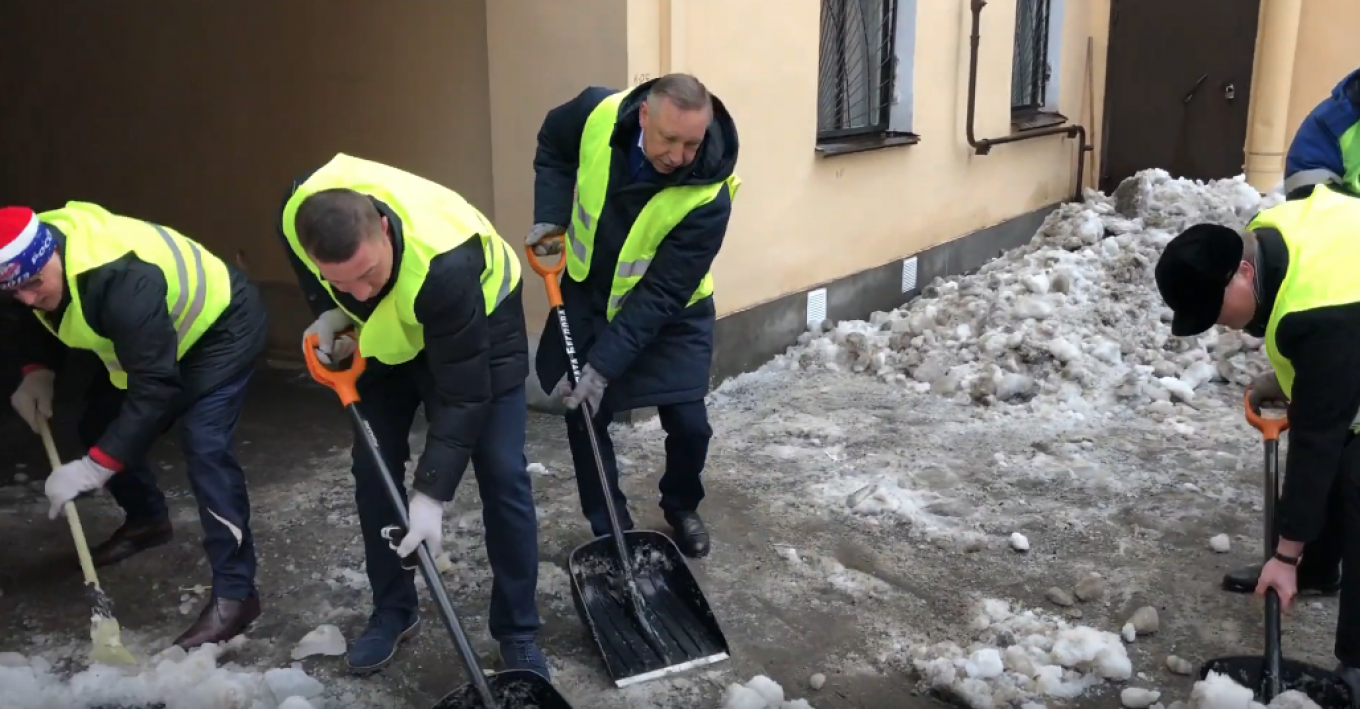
x=1322, y=686
x=514, y=689
x=672, y=600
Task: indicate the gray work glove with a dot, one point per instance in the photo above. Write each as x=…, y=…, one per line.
x=589, y=389
x=32, y=399
x=332, y=349
x=1265, y=389
x=544, y=231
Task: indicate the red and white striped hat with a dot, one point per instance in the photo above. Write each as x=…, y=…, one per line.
x=25, y=246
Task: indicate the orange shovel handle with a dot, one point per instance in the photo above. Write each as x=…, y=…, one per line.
x=1270, y=426
x=341, y=381
x=547, y=272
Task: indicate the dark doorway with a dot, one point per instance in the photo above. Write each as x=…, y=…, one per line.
x=1177, y=87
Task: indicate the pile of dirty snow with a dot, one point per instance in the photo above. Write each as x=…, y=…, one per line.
x=1021, y=657
x=760, y=692
x=174, y=679
x=1072, y=319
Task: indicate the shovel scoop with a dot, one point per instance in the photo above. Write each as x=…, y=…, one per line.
x=1270, y=674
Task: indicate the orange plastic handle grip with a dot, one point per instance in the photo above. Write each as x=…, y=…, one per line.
x=341, y=381
x=1270, y=426
x=547, y=272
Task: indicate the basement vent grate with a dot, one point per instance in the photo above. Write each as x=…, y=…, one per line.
x=909, y=275
x=816, y=307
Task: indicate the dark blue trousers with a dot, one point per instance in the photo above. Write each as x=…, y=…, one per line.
x=207, y=435
x=681, y=486
x=389, y=397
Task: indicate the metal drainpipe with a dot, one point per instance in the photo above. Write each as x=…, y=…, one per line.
x=984, y=146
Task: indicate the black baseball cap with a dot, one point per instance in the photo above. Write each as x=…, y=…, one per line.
x=1192, y=273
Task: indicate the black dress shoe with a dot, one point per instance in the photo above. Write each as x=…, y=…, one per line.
x=690, y=533
x=130, y=539
x=1244, y=580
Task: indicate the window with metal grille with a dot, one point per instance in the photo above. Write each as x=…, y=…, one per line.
x=855, y=78
x=1029, y=73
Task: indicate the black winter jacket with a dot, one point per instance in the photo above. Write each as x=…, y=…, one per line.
x=473, y=358
x=124, y=301
x=1323, y=344
x=656, y=351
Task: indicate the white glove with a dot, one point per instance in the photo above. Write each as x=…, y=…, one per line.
x=32, y=399
x=70, y=480
x=332, y=349
x=427, y=525
x=542, y=231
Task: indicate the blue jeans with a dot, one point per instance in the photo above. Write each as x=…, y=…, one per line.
x=681, y=486
x=207, y=434
x=389, y=397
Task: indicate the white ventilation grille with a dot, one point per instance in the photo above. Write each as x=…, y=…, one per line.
x=909, y=275
x=816, y=307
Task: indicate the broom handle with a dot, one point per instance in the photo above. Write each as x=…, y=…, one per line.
x=77, y=531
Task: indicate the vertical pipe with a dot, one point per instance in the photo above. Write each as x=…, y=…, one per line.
x=1272, y=78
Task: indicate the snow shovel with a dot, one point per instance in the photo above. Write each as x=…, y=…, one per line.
x=633, y=590
x=1272, y=674
x=106, y=636
x=517, y=689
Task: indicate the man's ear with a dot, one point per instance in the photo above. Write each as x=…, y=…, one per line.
x=1246, y=269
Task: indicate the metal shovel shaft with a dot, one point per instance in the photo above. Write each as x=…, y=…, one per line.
x=631, y=592
x=1274, y=639
x=427, y=567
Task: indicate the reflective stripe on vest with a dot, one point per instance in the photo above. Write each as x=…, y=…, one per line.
x=663, y=212
x=434, y=220
x=1323, y=258
x=95, y=237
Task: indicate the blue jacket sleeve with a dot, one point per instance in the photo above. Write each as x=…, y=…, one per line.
x=558, y=154
x=685, y=255
x=1314, y=154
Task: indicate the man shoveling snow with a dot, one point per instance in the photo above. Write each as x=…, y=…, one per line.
x=1289, y=277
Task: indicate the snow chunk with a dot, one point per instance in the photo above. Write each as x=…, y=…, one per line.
x=1043, y=656
x=1220, y=543
x=324, y=640
x=760, y=692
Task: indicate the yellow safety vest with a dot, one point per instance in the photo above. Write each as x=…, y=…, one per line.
x=1323, y=257
x=662, y=213
x=197, y=284
x=434, y=220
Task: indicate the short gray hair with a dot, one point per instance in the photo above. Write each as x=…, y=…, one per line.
x=685, y=91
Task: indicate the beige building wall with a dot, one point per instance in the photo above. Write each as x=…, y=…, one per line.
x=541, y=54
x=198, y=115
x=801, y=219
x=1327, y=51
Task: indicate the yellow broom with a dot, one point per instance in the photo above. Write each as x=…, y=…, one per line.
x=105, y=634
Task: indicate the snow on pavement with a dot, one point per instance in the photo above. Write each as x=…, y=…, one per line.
x=1032, y=395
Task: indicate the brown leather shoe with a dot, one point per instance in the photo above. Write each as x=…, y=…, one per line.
x=221, y=620
x=131, y=538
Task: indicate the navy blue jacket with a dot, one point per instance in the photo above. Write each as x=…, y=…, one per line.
x=656, y=351
x=1315, y=152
